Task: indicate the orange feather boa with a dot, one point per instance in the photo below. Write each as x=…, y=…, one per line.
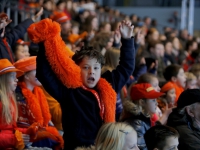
x=64, y=67
x=38, y=106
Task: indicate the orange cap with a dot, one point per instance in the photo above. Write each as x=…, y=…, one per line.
x=26, y=64
x=6, y=67
x=60, y=17
x=144, y=90
x=168, y=86
x=20, y=41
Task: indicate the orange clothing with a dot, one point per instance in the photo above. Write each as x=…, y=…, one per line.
x=55, y=110
x=178, y=90
x=10, y=135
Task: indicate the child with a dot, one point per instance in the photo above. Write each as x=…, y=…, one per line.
x=169, y=97
x=21, y=49
x=138, y=110
x=175, y=75
x=161, y=138
x=125, y=137
x=9, y=39
x=11, y=136
x=87, y=100
x=33, y=107
x=191, y=81
x=150, y=78
x=115, y=136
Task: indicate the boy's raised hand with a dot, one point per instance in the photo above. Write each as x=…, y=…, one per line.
x=126, y=29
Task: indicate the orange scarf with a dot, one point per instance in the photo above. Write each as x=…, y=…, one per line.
x=37, y=104
x=65, y=68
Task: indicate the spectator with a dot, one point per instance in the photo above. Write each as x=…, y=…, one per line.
x=175, y=75
x=185, y=119
x=161, y=138
x=11, y=136
x=21, y=49
x=191, y=81
x=81, y=88
x=33, y=107
x=139, y=110
x=9, y=39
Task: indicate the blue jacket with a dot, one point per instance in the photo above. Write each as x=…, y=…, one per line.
x=11, y=38
x=80, y=111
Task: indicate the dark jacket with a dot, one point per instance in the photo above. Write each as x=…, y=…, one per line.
x=189, y=133
x=138, y=121
x=80, y=111
x=11, y=38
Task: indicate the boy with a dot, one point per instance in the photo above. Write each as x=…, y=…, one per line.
x=161, y=137
x=87, y=101
x=175, y=74
x=185, y=119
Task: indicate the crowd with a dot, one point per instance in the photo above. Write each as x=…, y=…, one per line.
x=88, y=82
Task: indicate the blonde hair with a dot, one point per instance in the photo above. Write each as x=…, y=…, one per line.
x=111, y=136
x=111, y=59
x=9, y=108
x=190, y=76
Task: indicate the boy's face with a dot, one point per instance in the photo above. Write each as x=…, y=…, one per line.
x=31, y=78
x=171, y=143
x=171, y=96
x=90, y=71
x=66, y=27
x=150, y=106
x=159, y=50
x=20, y=53
x=181, y=78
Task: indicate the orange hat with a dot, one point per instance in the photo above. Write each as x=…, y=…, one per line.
x=20, y=41
x=144, y=90
x=168, y=86
x=73, y=38
x=6, y=67
x=60, y=17
x=26, y=64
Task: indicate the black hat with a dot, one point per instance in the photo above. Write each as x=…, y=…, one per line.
x=188, y=97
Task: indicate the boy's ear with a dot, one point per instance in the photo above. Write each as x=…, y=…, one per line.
x=141, y=102
x=26, y=76
x=189, y=112
x=173, y=79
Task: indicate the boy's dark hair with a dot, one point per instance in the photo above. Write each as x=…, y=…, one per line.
x=60, y=2
x=156, y=136
x=146, y=78
x=171, y=71
x=88, y=52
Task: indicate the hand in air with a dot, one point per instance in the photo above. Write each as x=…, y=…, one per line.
x=126, y=29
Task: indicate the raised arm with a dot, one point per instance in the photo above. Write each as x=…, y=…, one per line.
x=47, y=77
x=19, y=31
x=124, y=70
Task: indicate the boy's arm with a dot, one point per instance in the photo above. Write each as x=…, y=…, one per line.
x=124, y=70
x=47, y=77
